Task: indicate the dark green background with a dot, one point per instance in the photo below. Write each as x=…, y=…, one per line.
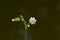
x=47, y=13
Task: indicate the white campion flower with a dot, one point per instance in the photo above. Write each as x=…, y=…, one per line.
x=32, y=20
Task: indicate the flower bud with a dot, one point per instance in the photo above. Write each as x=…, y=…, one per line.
x=22, y=18
x=17, y=19
x=13, y=20
x=28, y=25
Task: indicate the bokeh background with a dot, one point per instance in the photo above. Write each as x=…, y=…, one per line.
x=47, y=13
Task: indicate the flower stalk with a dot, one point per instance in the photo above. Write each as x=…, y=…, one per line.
x=22, y=19
x=32, y=21
x=25, y=33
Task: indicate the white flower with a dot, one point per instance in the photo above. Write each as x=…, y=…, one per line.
x=32, y=20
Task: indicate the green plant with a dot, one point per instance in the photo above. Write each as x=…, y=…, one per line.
x=32, y=21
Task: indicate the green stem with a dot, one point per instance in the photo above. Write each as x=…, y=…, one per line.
x=25, y=33
x=25, y=26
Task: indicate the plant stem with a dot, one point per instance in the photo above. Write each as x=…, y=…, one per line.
x=25, y=33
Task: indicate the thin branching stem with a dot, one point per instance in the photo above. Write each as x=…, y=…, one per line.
x=25, y=35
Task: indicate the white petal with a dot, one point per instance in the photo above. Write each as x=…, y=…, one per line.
x=32, y=20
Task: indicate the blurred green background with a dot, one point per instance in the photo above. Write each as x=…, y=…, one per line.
x=47, y=13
